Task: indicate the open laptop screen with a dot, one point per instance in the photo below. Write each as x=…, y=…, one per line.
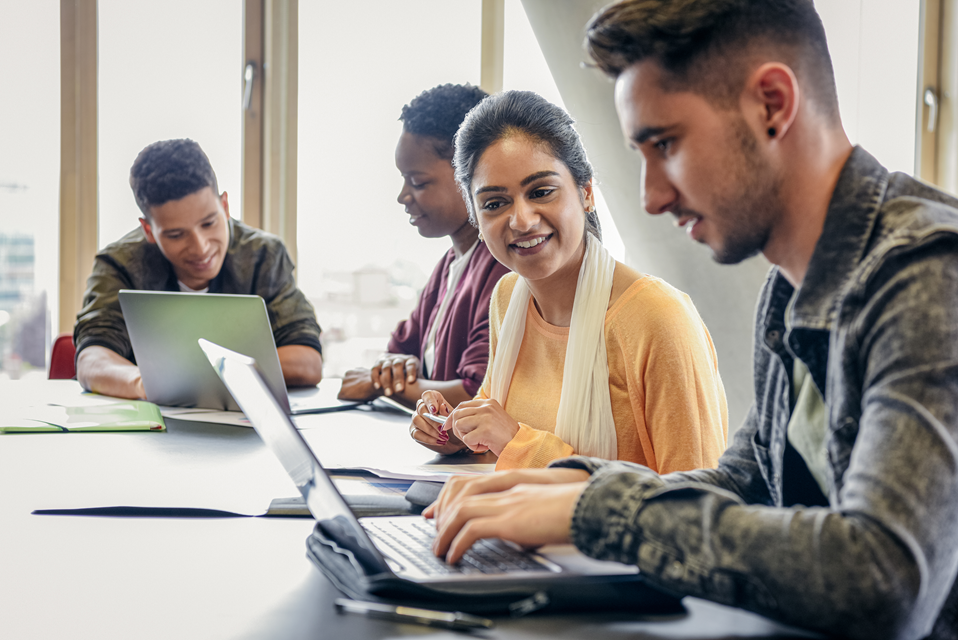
x=244, y=381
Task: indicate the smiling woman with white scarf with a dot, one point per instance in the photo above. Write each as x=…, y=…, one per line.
x=587, y=356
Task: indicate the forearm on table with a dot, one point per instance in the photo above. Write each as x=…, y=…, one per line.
x=302, y=365
x=106, y=372
x=841, y=570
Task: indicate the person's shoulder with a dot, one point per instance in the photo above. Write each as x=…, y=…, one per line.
x=135, y=255
x=502, y=294
x=483, y=259
x=648, y=301
x=248, y=240
x=128, y=246
x=914, y=210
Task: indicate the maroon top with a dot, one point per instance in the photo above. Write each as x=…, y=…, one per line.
x=462, y=341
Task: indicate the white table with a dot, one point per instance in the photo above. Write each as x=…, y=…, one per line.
x=92, y=577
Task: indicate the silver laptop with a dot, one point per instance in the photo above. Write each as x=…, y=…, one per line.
x=396, y=545
x=164, y=327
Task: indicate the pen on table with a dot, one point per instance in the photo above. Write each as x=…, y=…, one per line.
x=428, y=617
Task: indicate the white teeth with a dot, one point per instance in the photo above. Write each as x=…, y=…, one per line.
x=531, y=243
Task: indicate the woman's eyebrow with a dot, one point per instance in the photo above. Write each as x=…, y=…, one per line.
x=535, y=176
x=488, y=189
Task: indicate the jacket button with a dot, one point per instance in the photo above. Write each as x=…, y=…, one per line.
x=676, y=570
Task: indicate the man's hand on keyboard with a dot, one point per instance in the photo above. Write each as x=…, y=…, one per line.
x=530, y=507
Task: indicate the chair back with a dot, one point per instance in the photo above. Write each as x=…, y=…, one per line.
x=62, y=358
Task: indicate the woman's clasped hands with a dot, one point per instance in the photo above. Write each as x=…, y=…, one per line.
x=480, y=425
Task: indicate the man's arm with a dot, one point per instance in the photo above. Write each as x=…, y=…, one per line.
x=106, y=372
x=302, y=366
x=882, y=559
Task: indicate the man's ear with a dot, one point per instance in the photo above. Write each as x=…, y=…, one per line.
x=773, y=88
x=226, y=204
x=147, y=230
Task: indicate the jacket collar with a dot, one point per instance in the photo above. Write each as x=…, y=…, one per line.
x=849, y=223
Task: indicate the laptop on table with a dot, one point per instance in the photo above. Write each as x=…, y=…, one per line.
x=164, y=328
x=391, y=556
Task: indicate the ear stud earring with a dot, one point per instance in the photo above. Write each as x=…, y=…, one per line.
x=771, y=132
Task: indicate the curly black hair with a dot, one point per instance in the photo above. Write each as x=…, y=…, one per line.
x=437, y=113
x=169, y=170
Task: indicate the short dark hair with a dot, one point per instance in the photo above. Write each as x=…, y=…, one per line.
x=169, y=170
x=702, y=45
x=520, y=113
x=437, y=113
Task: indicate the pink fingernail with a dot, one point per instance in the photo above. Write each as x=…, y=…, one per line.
x=432, y=408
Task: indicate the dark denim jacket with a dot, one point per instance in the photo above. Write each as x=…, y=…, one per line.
x=876, y=321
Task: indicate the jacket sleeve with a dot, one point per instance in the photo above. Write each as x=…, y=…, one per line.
x=291, y=316
x=410, y=334
x=100, y=321
x=881, y=560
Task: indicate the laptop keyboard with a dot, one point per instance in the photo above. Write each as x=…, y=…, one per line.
x=411, y=540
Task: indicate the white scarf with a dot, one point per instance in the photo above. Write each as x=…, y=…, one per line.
x=584, y=419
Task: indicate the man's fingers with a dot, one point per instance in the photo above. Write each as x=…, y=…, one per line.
x=412, y=370
x=463, y=512
x=473, y=531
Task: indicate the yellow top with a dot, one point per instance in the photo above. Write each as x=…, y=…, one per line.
x=668, y=401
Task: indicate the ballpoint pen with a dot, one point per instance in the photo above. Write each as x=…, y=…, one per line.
x=435, y=418
x=428, y=617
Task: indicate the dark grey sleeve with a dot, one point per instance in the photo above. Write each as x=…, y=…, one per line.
x=291, y=315
x=100, y=321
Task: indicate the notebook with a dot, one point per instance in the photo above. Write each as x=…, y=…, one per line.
x=164, y=327
x=389, y=551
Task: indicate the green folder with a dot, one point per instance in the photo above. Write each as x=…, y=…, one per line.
x=122, y=415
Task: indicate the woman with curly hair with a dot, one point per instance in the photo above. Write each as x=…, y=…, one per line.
x=444, y=345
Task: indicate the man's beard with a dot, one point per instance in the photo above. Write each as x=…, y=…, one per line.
x=747, y=213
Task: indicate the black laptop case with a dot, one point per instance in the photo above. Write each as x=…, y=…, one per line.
x=362, y=578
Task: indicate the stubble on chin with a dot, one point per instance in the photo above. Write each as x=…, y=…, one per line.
x=750, y=208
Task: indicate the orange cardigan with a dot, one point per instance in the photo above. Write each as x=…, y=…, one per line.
x=668, y=401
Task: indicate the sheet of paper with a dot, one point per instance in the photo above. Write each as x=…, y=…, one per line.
x=429, y=472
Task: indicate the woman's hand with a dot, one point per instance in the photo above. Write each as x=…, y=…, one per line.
x=393, y=371
x=430, y=434
x=483, y=425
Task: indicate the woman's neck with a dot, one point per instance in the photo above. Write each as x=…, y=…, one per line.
x=463, y=238
x=554, y=296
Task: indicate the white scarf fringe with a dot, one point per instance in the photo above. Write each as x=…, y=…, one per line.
x=584, y=419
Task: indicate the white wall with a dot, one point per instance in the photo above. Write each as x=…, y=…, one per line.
x=874, y=47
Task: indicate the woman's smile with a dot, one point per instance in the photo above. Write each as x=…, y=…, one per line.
x=531, y=245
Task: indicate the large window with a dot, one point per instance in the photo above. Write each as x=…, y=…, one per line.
x=359, y=260
x=29, y=182
x=168, y=69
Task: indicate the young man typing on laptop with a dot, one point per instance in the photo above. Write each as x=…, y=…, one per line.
x=188, y=242
x=836, y=506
